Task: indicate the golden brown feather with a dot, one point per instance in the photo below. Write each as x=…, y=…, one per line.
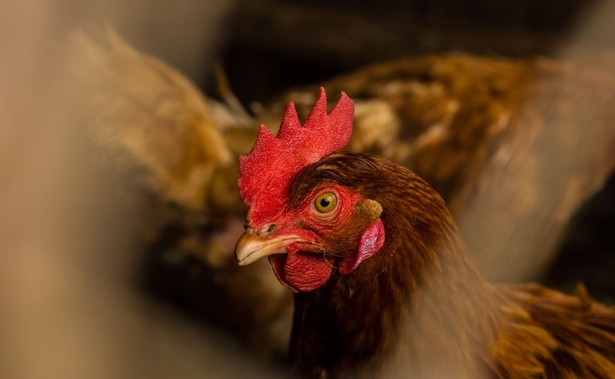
x=173, y=149
x=529, y=137
x=419, y=308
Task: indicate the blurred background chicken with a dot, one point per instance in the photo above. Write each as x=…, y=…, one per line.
x=531, y=138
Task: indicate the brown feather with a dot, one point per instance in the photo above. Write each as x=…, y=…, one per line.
x=532, y=138
x=420, y=309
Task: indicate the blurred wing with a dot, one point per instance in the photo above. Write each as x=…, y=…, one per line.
x=146, y=115
x=176, y=150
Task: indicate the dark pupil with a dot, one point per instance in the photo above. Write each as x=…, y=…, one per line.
x=325, y=202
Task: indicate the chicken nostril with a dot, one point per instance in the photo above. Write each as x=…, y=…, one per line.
x=265, y=230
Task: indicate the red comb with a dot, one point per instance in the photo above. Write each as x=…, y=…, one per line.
x=273, y=161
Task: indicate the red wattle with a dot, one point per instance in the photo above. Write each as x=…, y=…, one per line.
x=301, y=272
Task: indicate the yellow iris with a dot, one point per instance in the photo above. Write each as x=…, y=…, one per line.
x=325, y=202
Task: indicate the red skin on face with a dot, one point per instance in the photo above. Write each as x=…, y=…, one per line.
x=264, y=184
x=303, y=268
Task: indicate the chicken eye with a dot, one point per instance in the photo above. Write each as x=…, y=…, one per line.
x=325, y=202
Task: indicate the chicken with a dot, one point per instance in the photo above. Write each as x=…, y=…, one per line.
x=384, y=284
x=469, y=124
x=173, y=148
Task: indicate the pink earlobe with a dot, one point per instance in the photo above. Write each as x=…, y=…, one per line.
x=371, y=242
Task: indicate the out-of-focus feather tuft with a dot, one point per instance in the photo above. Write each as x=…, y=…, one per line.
x=138, y=107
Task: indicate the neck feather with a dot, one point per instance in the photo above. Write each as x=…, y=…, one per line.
x=420, y=294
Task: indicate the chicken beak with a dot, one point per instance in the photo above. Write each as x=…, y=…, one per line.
x=251, y=247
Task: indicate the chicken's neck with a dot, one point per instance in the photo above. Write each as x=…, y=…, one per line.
x=420, y=296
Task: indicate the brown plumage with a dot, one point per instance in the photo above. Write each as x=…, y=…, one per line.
x=384, y=284
x=420, y=309
x=532, y=138
x=448, y=117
